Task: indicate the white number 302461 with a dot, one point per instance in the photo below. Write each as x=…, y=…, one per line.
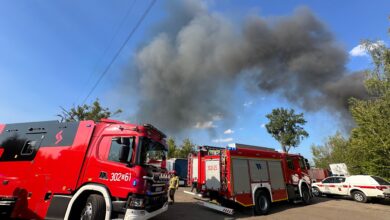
x=116, y=177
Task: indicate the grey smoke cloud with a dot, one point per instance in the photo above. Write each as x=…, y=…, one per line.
x=188, y=73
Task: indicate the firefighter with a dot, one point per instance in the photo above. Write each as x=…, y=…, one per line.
x=173, y=186
x=194, y=184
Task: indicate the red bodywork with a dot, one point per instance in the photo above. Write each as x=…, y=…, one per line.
x=62, y=170
x=226, y=173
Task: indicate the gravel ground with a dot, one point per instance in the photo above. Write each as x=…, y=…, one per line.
x=322, y=208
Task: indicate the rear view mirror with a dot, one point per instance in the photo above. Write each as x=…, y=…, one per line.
x=124, y=153
x=307, y=164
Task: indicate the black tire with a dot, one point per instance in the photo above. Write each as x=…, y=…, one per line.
x=263, y=203
x=306, y=196
x=359, y=196
x=94, y=208
x=316, y=192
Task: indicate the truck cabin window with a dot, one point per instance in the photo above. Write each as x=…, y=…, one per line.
x=290, y=163
x=302, y=163
x=117, y=145
x=151, y=152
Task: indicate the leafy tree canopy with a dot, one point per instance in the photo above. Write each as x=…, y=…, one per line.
x=93, y=112
x=182, y=151
x=286, y=127
x=369, y=150
x=334, y=150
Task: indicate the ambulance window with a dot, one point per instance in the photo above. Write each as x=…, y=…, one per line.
x=328, y=180
x=116, y=146
x=290, y=163
x=339, y=179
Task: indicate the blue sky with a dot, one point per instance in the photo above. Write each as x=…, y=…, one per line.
x=52, y=52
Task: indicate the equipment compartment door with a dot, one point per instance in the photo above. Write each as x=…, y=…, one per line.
x=213, y=175
x=278, y=185
x=240, y=176
x=259, y=170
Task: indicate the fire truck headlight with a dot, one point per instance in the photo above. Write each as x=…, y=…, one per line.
x=137, y=202
x=134, y=182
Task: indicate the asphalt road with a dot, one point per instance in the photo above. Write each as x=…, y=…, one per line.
x=322, y=208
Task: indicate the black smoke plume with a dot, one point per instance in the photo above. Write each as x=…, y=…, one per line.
x=190, y=69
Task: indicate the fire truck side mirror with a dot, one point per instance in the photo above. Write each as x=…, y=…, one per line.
x=124, y=153
x=307, y=164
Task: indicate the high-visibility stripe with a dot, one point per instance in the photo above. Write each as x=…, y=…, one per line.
x=246, y=205
x=366, y=187
x=278, y=200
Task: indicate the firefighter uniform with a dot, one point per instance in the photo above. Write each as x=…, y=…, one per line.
x=173, y=186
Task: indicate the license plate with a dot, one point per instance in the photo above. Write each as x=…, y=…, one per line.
x=158, y=189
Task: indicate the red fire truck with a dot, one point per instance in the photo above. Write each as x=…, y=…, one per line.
x=82, y=170
x=250, y=176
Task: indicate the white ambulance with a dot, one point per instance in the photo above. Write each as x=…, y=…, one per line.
x=360, y=187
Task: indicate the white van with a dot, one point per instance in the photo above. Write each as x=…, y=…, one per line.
x=359, y=187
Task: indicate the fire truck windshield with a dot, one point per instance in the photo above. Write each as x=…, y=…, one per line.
x=151, y=152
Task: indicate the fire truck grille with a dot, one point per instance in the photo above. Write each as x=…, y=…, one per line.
x=152, y=203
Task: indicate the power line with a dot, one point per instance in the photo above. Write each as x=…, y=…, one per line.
x=146, y=12
x=128, y=12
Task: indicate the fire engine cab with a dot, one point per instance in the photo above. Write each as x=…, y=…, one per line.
x=82, y=170
x=250, y=176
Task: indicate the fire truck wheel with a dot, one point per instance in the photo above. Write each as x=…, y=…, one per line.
x=306, y=197
x=94, y=208
x=262, y=204
x=316, y=191
x=359, y=196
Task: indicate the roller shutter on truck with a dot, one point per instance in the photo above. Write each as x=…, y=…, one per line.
x=276, y=175
x=259, y=170
x=248, y=171
x=241, y=181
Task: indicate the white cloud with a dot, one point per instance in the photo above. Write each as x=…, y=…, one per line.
x=228, y=131
x=360, y=50
x=262, y=125
x=223, y=140
x=248, y=104
x=205, y=125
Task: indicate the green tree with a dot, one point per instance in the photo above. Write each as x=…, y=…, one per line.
x=286, y=127
x=93, y=112
x=172, y=148
x=370, y=140
x=186, y=148
x=334, y=150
